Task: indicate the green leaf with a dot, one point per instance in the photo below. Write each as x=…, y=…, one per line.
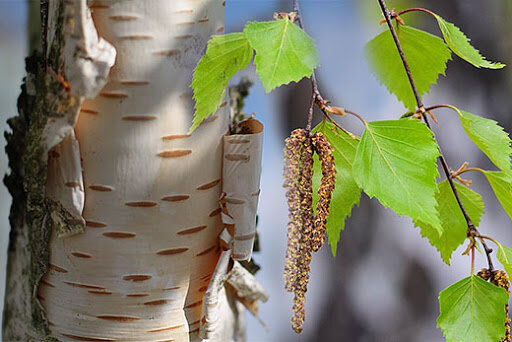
x=459, y=44
x=225, y=56
x=453, y=223
x=504, y=255
x=472, y=310
x=489, y=137
x=284, y=52
x=426, y=55
x=502, y=186
x=396, y=162
x=346, y=192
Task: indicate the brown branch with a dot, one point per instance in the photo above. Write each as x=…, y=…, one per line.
x=472, y=231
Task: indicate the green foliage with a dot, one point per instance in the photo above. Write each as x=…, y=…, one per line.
x=453, y=224
x=502, y=186
x=284, y=52
x=459, y=44
x=225, y=56
x=472, y=310
x=426, y=55
x=346, y=193
x=504, y=255
x=489, y=137
x=396, y=162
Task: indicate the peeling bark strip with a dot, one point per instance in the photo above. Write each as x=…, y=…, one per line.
x=241, y=185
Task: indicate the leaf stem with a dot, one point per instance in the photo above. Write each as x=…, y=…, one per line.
x=416, y=9
x=472, y=231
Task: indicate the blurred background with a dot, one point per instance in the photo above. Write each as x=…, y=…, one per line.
x=384, y=283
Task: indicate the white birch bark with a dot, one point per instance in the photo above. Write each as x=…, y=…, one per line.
x=143, y=263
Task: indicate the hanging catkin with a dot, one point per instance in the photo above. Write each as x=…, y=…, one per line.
x=306, y=232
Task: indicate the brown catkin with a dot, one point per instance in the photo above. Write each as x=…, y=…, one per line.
x=292, y=156
x=306, y=232
x=325, y=190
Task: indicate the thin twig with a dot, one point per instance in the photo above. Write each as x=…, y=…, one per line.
x=472, y=231
x=416, y=9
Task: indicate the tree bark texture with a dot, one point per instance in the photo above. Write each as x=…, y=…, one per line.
x=116, y=217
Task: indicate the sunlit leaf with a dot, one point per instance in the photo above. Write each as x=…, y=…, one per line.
x=426, y=55
x=284, y=52
x=472, y=310
x=396, y=162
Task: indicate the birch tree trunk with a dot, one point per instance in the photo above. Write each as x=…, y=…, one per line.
x=116, y=217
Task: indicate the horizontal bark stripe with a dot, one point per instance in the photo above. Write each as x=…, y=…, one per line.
x=193, y=305
x=191, y=230
x=57, y=268
x=186, y=23
x=185, y=36
x=223, y=104
x=257, y=193
x=113, y=95
x=136, y=295
x=127, y=82
x=194, y=331
x=86, y=338
x=136, y=37
x=137, y=277
x=167, y=53
x=172, y=288
x=210, y=119
x=234, y=200
x=72, y=184
x=139, y=118
x=172, y=251
x=141, y=204
x=237, y=157
x=175, y=136
x=119, y=235
x=175, y=198
x=81, y=255
x=157, y=302
x=245, y=237
x=167, y=328
x=206, y=251
x=220, y=29
x=174, y=153
x=88, y=111
x=203, y=289
x=95, y=224
x=209, y=185
x=123, y=17
x=215, y=212
x=203, y=20
x=195, y=322
x=122, y=319
x=84, y=286
x=44, y=282
x=100, y=292
x=98, y=6
x=185, y=11
x=102, y=188
x=238, y=141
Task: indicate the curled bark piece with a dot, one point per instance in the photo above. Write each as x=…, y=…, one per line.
x=87, y=62
x=65, y=185
x=216, y=314
x=324, y=151
x=241, y=185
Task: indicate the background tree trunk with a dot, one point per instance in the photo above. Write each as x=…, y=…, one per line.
x=140, y=268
